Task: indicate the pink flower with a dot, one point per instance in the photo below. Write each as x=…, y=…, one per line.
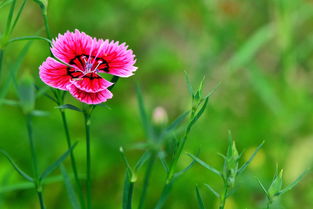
x=87, y=57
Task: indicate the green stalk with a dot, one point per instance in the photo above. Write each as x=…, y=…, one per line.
x=73, y=161
x=40, y=197
x=45, y=19
x=147, y=180
x=224, y=197
x=37, y=182
x=1, y=59
x=88, y=160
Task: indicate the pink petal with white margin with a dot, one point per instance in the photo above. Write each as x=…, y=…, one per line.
x=120, y=59
x=88, y=97
x=91, y=83
x=72, y=44
x=54, y=74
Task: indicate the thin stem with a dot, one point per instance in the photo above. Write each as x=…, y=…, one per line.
x=146, y=181
x=40, y=197
x=45, y=19
x=1, y=60
x=224, y=197
x=37, y=182
x=73, y=161
x=88, y=161
x=32, y=145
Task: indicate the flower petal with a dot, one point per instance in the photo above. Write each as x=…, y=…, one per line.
x=91, y=82
x=54, y=74
x=120, y=59
x=88, y=97
x=71, y=44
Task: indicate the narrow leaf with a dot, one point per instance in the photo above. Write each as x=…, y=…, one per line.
x=199, y=198
x=15, y=166
x=189, y=85
x=70, y=107
x=164, y=195
x=5, y=2
x=127, y=192
x=26, y=38
x=212, y=190
x=262, y=186
x=198, y=115
x=176, y=175
x=205, y=165
x=69, y=188
x=146, y=155
x=294, y=183
x=144, y=118
x=245, y=165
x=177, y=122
x=57, y=163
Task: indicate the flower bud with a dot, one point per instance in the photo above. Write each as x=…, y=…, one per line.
x=160, y=116
x=26, y=92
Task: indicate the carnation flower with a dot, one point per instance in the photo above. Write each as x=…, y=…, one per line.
x=86, y=57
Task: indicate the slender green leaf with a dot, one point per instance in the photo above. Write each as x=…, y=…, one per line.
x=212, y=190
x=9, y=20
x=13, y=69
x=5, y=2
x=128, y=192
x=40, y=113
x=176, y=175
x=205, y=165
x=198, y=115
x=177, y=122
x=15, y=166
x=245, y=165
x=164, y=164
x=146, y=155
x=199, y=198
x=70, y=107
x=57, y=163
x=144, y=117
x=164, y=195
x=130, y=171
x=294, y=183
x=189, y=85
x=69, y=188
x=26, y=93
x=26, y=38
x=262, y=186
x=18, y=15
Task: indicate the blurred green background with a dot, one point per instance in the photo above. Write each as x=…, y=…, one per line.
x=260, y=51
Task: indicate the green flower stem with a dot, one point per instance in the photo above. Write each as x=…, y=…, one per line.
x=87, y=114
x=147, y=180
x=45, y=19
x=73, y=161
x=37, y=182
x=1, y=59
x=40, y=197
x=223, y=198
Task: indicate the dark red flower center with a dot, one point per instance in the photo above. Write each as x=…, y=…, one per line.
x=87, y=67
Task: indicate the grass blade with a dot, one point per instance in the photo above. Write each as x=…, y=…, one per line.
x=127, y=192
x=15, y=166
x=57, y=163
x=199, y=198
x=212, y=190
x=69, y=188
x=143, y=114
x=295, y=182
x=245, y=165
x=210, y=168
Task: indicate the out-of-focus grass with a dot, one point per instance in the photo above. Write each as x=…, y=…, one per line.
x=261, y=51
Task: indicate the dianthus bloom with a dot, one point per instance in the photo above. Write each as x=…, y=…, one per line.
x=87, y=57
